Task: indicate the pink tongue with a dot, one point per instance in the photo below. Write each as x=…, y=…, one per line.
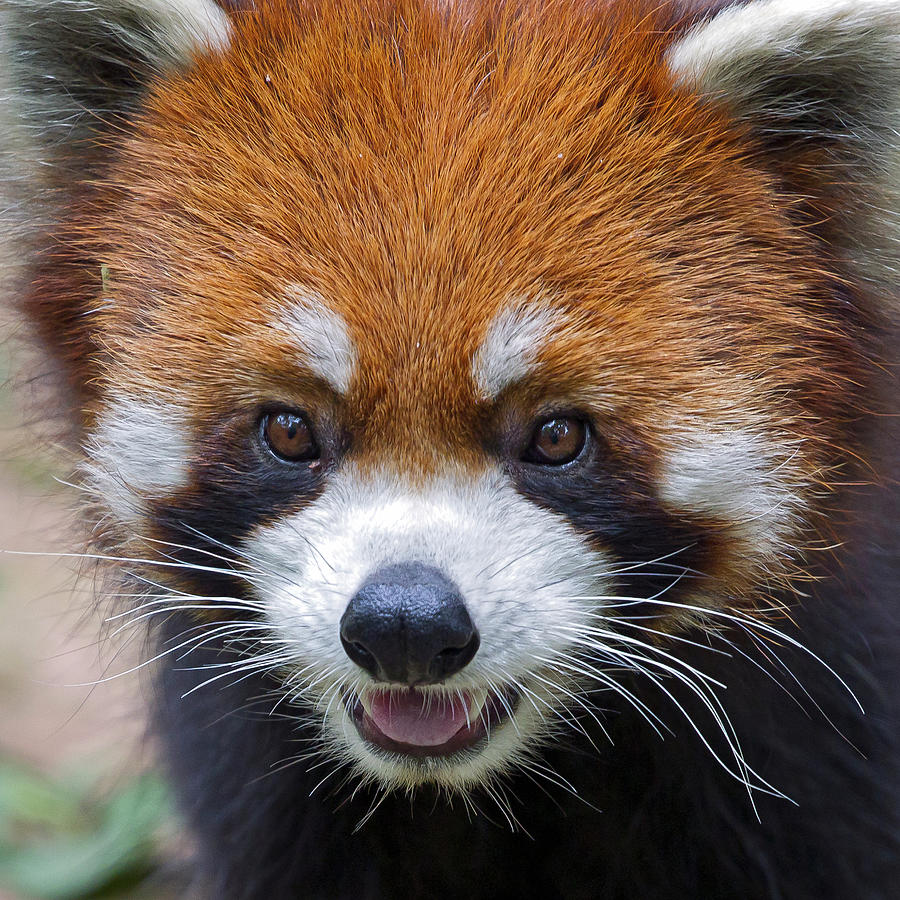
x=403, y=717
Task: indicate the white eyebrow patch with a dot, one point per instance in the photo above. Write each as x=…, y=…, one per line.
x=510, y=348
x=322, y=336
x=139, y=451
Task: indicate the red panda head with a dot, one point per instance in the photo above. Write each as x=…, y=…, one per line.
x=452, y=359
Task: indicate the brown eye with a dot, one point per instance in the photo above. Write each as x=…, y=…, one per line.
x=556, y=441
x=289, y=436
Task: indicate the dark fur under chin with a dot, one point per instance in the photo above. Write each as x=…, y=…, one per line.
x=671, y=823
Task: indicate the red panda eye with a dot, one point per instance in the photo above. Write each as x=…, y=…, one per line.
x=289, y=436
x=557, y=441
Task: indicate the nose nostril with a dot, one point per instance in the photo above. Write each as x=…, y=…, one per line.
x=453, y=659
x=360, y=655
x=408, y=624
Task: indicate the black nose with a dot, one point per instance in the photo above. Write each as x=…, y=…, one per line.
x=408, y=624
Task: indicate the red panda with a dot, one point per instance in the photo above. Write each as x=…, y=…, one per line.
x=494, y=407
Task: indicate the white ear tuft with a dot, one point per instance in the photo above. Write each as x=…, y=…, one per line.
x=722, y=51
x=182, y=27
x=818, y=82
x=76, y=65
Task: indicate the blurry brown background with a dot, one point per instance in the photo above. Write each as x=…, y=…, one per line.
x=49, y=620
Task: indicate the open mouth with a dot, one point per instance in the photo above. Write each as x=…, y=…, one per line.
x=417, y=723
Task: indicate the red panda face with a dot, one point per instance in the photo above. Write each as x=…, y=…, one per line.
x=454, y=365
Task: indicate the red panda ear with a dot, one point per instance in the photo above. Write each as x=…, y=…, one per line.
x=74, y=70
x=77, y=65
x=818, y=83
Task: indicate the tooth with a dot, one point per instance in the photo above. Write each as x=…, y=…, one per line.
x=477, y=699
x=365, y=697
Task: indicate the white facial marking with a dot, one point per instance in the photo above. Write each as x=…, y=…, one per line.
x=322, y=336
x=511, y=346
x=731, y=474
x=138, y=451
x=528, y=580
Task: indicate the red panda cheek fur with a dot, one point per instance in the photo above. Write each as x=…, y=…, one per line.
x=357, y=212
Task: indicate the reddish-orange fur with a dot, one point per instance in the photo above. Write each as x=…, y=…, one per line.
x=414, y=170
x=420, y=176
